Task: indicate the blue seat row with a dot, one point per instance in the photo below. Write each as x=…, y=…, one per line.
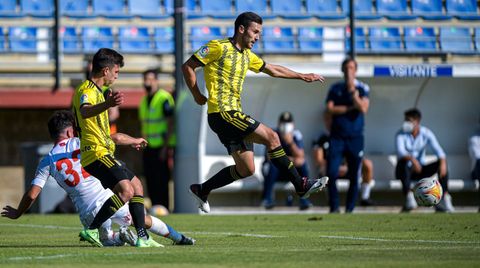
x=130, y=39
x=221, y=9
x=305, y=39
x=459, y=40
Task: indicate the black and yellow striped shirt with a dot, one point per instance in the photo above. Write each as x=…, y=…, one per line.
x=225, y=68
x=94, y=132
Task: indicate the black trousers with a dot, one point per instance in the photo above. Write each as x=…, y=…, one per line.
x=157, y=175
x=405, y=173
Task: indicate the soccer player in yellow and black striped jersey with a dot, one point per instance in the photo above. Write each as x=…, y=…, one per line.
x=225, y=64
x=97, y=146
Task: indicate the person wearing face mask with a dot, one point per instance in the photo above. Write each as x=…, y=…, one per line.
x=156, y=113
x=291, y=140
x=411, y=144
x=347, y=103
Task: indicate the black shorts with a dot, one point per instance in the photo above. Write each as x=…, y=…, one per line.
x=109, y=171
x=232, y=127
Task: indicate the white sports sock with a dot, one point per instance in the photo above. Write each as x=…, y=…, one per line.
x=365, y=189
x=159, y=227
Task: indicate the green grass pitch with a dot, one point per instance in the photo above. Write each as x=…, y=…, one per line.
x=304, y=240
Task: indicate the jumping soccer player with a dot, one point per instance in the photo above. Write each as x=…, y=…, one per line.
x=225, y=63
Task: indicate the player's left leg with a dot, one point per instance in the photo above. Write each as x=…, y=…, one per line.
x=303, y=186
x=158, y=227
x=354, y=156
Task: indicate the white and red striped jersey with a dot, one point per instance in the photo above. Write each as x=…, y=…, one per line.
x=63, y=164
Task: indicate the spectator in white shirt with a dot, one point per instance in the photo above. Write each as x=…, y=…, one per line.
x=411, y=143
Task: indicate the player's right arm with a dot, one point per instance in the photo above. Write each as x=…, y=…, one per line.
x=88, y=110
x=41, y=176
x=27, y=200
x=203, y=56
x=188, y=69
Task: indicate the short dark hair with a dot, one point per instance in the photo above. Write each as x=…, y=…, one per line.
x=413, y=113
x=245, y=19
x=346, y=61
x=59, y=121
x=285, y=117
x=151, y=71
x=106, y=57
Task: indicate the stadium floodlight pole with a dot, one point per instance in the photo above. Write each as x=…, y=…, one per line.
x=352, y=29
x=56, y=46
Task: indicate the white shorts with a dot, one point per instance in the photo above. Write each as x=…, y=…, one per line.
x=122, y=217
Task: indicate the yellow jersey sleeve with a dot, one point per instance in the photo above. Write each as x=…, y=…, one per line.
x=256, y=63
x=209, y=52
x=88, y=96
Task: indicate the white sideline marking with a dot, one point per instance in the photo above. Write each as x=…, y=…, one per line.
x=239, y=234
x=268, y=236
x=399, y=240
x=41, y=226
x=23, y=258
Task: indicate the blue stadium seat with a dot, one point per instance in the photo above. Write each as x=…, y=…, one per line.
x=37, y=8
x=310, y=39
x=8, y=9
x=257, y=6
x=360, y=39
x=324, y=9
x=463, y=9
x=146, y=9
x=230, y=31
x=2, y=40
x=134, y=39
x=164, y=40
x=23, y=39
x=192, y=12
x=200, y=35
x=288, y=9
x=420, y=39
x=429, y=9
x=456, y=40
x=69, y=39
x=278, y=40
x=477, y=39
x=219, y=9
x=75, y=9
x=394, y=10
x=112, y=9
x=363, y=10
x=95, y=38
x=385, y=39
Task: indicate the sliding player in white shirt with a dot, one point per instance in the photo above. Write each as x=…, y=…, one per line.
x=86, y=191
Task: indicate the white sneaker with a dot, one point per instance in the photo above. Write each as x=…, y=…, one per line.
x=410, y=202
x=311, y=186
x=127, y=236
x=445, y=204
x=202, y=201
